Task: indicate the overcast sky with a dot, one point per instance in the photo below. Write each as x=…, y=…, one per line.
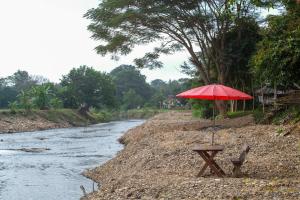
x=49, y=37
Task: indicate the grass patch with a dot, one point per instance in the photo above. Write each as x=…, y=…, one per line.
x=232, y=115
x=258, y=115
x=144, y=113
x=100, y=115
x=137, y=114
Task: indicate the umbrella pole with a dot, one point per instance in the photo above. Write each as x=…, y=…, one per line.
x=214, y=124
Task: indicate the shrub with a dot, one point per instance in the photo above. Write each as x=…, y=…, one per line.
x=13, y=106
x=56, y=103
x=202, y=109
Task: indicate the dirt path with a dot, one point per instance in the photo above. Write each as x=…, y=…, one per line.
x=157, y=162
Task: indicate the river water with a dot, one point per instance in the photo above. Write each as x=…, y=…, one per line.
x=55, y=173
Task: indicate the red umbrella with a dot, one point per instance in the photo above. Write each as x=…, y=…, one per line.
x=214, y=92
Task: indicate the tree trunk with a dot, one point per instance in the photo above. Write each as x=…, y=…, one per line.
x=275, y=94
x=262, y=96
x=222, y=108
x=252, y=89
x=232, y=105
x=84, y=108
x=235, y=105
x=244, y=101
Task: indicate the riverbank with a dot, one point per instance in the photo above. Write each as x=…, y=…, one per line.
x=34, y=120
x=157, y=161
x=24, y=121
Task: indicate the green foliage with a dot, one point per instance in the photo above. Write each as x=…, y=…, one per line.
x=238, y=114
x=143, y=113
x=202, y=108
x=7, y=94
x=162, y=90
x=258, y=116
x=85, y=85
x=56, y=103
x=101, y=115
x=240, y=45
x=131, y=100
x=178, y=25
x=157, y=99
x=277, y=60
x=197, y=112
x=279, y=131
x=41, y=96
x=13, y=106
x=12, y=86
x=21, y=80
x=128, y=78
x=25, y=101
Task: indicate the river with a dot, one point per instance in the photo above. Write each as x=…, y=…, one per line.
x=54, y=172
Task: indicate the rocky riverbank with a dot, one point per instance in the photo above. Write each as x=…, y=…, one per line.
x=34, y=120
x=39, y=120
x=158, y=163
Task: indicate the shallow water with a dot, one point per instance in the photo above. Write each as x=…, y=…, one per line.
x=56, y=173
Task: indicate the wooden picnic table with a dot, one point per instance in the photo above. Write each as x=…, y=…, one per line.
x=208, y=152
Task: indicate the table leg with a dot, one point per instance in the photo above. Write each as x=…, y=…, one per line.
x=210, y=163
x=213, y=165
x=206, y=164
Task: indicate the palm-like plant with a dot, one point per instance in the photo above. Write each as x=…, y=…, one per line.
x=25, y=100
x=41, y=96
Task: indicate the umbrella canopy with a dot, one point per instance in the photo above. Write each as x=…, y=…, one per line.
x=215, y=92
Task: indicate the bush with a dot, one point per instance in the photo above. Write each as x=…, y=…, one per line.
x=13, y=106
x=202, y=109
x=56, y=103
x=24, y=99
x=100, y=116
x=258, y=116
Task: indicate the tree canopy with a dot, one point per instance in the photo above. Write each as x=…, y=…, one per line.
x=199, y=27
x=84, y=85
x=127, y=77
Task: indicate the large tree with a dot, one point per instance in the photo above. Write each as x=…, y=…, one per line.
x=198, y=26
x=127, y=77
x=85, y=85
x=21, y=80
x=7, y=95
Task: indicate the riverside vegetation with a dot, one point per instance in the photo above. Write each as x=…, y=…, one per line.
x=21, y=120
x=83, y=96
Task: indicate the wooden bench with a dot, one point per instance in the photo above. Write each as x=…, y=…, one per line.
x=238, y=162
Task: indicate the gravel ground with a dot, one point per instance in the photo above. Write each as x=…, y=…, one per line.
x=158, y=163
